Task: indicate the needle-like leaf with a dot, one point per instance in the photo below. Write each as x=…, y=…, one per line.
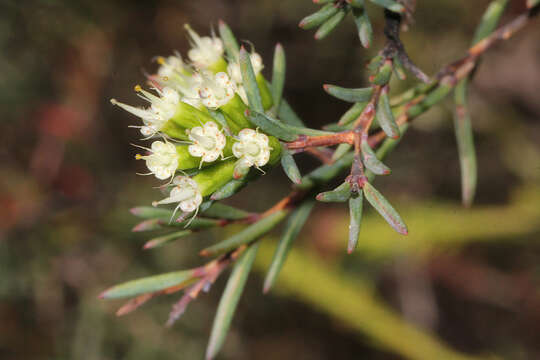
x=355, y=214
x=250, y=83
x=350, y=95
x=294, y=224
x=229, y=301
x=249, y=234
x=384, y=208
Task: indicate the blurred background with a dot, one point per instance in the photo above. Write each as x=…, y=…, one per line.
x=464, y=284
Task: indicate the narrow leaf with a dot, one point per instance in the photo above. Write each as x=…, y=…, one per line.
x=370, y=160
x=386, y=118
x=278, y=75
x=341, y=150
x=391, y=5
x=150, y=212
x=229, y=301
x=227, y=212
x=352, y=114
x=466, y=149
x=271, y=126
x=363, y=25
x=294, y=224
x=383, y=76
x=318, y=17
x=229, y=189
x=340, y=194
x=386, y=147
x=384, y=208
x=329, y=25
x=287, y=114
x=148, y=284
x=249, y=81
x=350, y=95
x=355, y=214
x=490, y=19
x=148, y=225
x=324, y=173
x=229, y=41
x=289, y=166
x=165, y=239
x=249, y=234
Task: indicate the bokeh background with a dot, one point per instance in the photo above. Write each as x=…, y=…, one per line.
x=466, y=280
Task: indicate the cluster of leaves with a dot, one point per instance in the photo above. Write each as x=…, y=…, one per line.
x=374, y=121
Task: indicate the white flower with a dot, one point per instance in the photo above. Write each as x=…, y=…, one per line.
x=208, y=142
x=216, y=90
x=162, y=108
x=252, y=148
x=186, y=193
x=163, y=160
x=236, y=75
x=205, y=50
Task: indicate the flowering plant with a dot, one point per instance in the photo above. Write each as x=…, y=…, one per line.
x=216, y=124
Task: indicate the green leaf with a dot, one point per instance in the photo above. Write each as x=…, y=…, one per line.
x=391, y=5
x=287, y=114
x=249, y=81
x=229, y=301
x=353, y=113
x=249, y=234
x=386, y=147
x=318, y=17
x=363, y=25
x=148, y=284
x=222, y=211
x=289, y=166
x=148, y=225
x=324, y=173
x=229, y=189
x=350, y=95
x=271, y=126
x=278, y=75
x=383, y=76
x=341, y=150
x=465, y=143
x=355, y=214
x=150, y=212
x=294, y=224
x=165, y=239
x=490, y=19
x=370, y=160
x=399, y=69
x=340, y=194
x=229, y=41
x=384, y=208
x=386, y=118
x=329, y=25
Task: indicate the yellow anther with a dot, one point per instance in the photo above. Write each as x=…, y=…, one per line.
x=138, y=156
x=161, y=60
x=138, y=88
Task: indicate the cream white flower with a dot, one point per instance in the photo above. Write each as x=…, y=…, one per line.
x=163, y=160
x=162, y=108
x=205, y=50
x=174, y=73
x=236, y=75
x=208, y=142
x=252, y=148
x=185, y=192
x=216, y=90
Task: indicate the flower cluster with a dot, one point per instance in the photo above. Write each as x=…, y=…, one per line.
x=197, y=121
